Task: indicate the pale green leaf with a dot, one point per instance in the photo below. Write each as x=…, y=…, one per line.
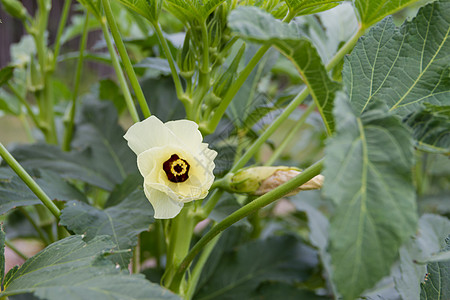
x=402, y=67
x=256, y=25
x=123, y=222
x=306, y=7
x=72, y=269
x=370, y=12
x=149, y=9
x=368, y=176
x=436, y=285
x=431, y=128
x=429, y=239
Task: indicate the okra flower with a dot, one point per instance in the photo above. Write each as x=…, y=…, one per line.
x=177, y=167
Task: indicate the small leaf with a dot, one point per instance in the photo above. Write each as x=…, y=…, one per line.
x=123, y=222
x=14, y=192
x=370, y=12
x=437, y=280
x=73, y=269
x=431, y=128
x=149, y=9
x=240, y=272
x=306, y=7
x=402, y=67
x=368, y=176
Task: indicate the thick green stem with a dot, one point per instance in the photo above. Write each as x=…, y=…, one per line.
x=248, y=209
x=116, y=64
x=35, y=188
x=126, y=59
x=61, y=26
x=70, y=118
x=173, y=69
x=271, y=129
x=290, y=135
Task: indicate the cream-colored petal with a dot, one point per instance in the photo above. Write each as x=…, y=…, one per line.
x=148, y=134
x=164, y=207
x=187, y=133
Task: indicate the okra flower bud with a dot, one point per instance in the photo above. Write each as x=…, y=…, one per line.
x=186, y=58
x=15, y=9
x=260, y=180
x=226, y=79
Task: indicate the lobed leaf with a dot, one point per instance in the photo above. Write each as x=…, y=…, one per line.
x=123, y=222
x=402, y=67
x=77, y=270
x=306, y=7
x=368, y=176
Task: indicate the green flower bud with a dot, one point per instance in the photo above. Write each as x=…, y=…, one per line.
x=15, y=9
x=261, y=180
x=186, y=58
x=34, y=78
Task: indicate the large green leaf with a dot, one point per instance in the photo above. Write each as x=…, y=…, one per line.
x=431, y=128
x=73, y=269
x=437, y=280
x=370, y=12
x=368, y=176
x=149, y=9
x=256, y=25
x=402, y=67
x=14, y=192
x=305, y=7
x=123, y=222
x=240, y=272
x=430, y=238
x=100, y=155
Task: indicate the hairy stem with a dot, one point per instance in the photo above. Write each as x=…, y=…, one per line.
x=126, y=59
x=29, y=181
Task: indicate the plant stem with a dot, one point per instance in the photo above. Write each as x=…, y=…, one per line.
x=126, y=59
x=173, y=69
x=70, y=118
x=116, y=64
x=15, y=250
x=136, y=257
x=249, y=208
x=345, y=49
x=220, y=110
x=62, y=23
x=271, y=129
x=291, y=134
x=35, y=188
x=212, y=201
x=197, y=271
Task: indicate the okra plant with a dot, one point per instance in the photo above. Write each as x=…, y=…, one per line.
x=236, y=149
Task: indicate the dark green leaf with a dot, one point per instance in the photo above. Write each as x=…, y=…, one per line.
x=73, y=270
x=14, y=192
x=149, y=9
x=261, y=27
x=109, y=90
x=431, y=128
x=370, y=12
x=2, y=255
x=368, y=176
x=305, y=7
x=437, y=280
x=429, y=239
x=123, y=222
x=6, y=74
x=402, y=67
x=123, y=190
x=241, y=271
x=283, y=291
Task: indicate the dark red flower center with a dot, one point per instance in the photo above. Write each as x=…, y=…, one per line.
x=176, y=168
